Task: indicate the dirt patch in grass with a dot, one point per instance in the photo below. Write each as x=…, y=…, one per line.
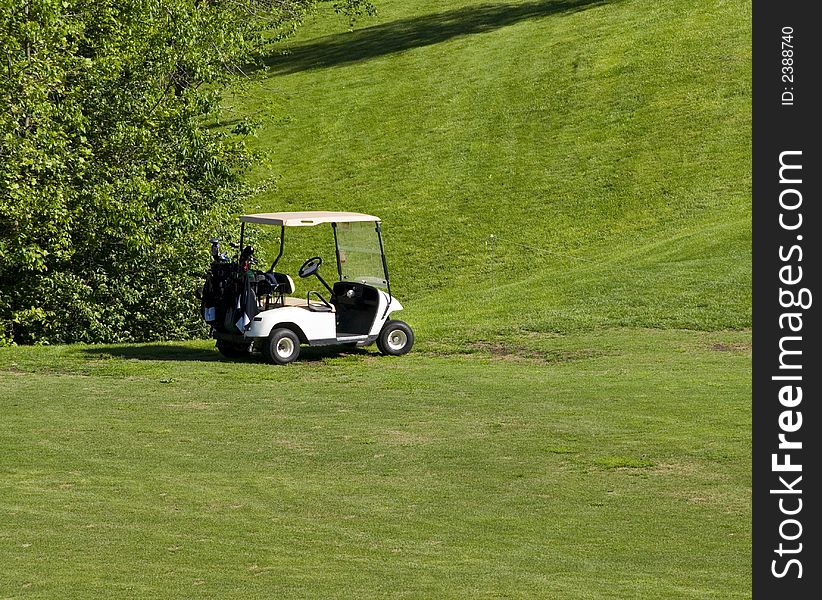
x=727, y=500
x=503, y=351
x=622, y=462
x=734, y=347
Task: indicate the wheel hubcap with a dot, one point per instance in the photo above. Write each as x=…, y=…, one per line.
x=397, y=339
x=285, y=348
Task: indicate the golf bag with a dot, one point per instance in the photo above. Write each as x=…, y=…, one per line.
x=228, y=300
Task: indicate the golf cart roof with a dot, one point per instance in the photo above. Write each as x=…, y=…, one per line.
x=307, y=218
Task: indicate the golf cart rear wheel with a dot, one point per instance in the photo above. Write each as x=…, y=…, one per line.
x=395, y=339
x=233, y=350
x=282, y=347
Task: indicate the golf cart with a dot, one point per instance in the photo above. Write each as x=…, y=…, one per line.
x=256, y=309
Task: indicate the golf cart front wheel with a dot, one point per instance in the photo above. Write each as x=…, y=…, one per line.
x=282, y=347
x=396, y=338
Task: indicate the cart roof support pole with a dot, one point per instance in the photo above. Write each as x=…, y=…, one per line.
x=337, y=250
x=282, y=245
x=384, y=269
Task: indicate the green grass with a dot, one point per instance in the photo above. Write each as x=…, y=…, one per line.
x=574, y=421
x=606, y=145
x=607, y=465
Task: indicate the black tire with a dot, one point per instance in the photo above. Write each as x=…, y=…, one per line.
x=233, y=350
x=395, y=339
x=281, y=347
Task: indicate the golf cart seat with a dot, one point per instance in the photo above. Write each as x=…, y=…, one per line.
x=312, y=305
x=281, y=284
x=273, y=285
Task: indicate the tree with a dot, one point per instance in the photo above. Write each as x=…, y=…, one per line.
x=109, y=180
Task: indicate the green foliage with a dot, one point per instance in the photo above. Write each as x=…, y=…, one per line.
x=109, y=182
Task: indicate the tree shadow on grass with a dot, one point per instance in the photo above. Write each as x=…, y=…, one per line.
x=397, y=36
x=168, y=352
x=154, y=352
x=320, y=353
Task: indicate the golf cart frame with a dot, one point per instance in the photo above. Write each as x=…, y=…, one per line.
x=250, y=309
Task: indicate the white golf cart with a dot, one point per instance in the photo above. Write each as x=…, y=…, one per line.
x=250, y=309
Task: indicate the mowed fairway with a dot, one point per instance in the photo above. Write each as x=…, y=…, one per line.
x=609, y=465
x=574, y=420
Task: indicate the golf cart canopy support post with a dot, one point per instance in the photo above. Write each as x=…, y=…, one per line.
x=384, y=269
x=337, y=250
x=282, y=245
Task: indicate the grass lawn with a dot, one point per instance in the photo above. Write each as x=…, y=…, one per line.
x=605, y=145
x=565, y=193
x=612, y=464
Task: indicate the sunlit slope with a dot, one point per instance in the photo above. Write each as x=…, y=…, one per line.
x=605, y=145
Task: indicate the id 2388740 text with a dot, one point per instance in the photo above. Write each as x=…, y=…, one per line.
x=788, y=73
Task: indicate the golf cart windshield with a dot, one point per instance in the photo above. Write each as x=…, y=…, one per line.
x=360, y=253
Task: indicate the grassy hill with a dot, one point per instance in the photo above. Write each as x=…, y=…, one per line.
x=606, y=146
x=574, y=421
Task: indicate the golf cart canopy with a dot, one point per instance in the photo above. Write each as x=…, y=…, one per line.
x=357, y=240
x=307, y=218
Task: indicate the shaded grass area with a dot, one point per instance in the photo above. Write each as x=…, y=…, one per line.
x=415, y=32
x=617, y=467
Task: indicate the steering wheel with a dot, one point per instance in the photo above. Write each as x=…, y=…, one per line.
x=310, y=267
